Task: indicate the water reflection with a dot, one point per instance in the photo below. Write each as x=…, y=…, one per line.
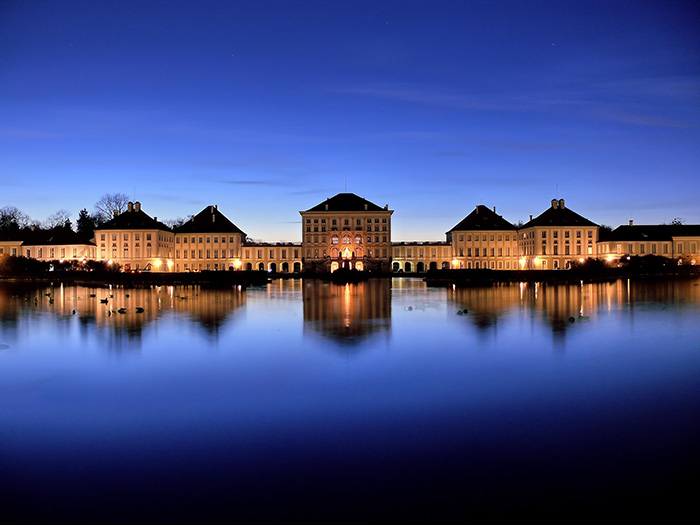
x=118, y=317
x=347, y=314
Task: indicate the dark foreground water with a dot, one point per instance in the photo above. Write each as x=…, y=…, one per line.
x=381, y=400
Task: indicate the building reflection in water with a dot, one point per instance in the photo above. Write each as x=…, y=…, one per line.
x=116, y=317
x=347, y=314
x=561, y=306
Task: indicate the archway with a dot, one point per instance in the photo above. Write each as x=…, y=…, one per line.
x=285, y=267
x=396, y=267
x=273, y=267
x=420, y=267
x=433, y=265
x=334, y=266
x=261, y=267
x=445, y=265
x=407, y=267
x=249, y=266
x=297, y=267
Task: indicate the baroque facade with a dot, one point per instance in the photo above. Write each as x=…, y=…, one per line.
x=348, y=231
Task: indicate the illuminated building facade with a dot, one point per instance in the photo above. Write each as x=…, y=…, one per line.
x=555, y=238
x=676, y=241
x=346, y=231
x=420, y=256
x=135, y=240
x=208, y=241
x=484, y=240
x=47, y=245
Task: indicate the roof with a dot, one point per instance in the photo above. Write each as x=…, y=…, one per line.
x=558, y=215
x=347, y=202
x=57, y=236
x=209, y=220
x=652, y=232
x=134, y=219
x=483, y=218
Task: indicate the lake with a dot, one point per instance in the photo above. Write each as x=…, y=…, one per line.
x=378, y=400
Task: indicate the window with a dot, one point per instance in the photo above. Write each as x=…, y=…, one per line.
x=208, y=240
x=566, y=234
x=201, y=239
x=216, y=254
x=102, y=236
x=476, y=252
x=346, y=239
x=208, y=254
x=544, y=234
x=555, y=234
x=216, y=240
x=358, y=239
x=334, y=239
x=148, y=237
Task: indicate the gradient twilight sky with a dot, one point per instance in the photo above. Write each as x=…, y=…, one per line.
x=265, y=108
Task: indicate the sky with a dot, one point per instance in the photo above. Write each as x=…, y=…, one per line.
x=267, y=108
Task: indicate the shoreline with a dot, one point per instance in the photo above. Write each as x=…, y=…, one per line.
x=432, y=277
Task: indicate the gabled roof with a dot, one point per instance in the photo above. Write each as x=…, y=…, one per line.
x=211, y=220
x=651, y=232
x=558, y=215
x=483, y=218
x=347, y=202
x=134, y=219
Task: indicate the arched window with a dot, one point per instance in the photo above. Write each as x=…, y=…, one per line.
x=346, y=239
x=334, y=239
x=358, y=239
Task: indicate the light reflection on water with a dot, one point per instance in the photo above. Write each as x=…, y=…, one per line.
x=504, y=397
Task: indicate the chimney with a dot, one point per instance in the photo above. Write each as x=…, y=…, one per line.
x=130, y=206
x=494, y=209
x=477, y=210
x=386, y=206
x=561, y=203
x=554, y=203
x=216, y=206
x=137, y=206
x=531, y=216
x=326, y=207
x=365, y=206
x=116, y=213
x=631, y=222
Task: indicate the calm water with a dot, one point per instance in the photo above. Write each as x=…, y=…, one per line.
x=369, y=400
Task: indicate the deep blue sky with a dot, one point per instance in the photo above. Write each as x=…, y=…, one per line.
x=265, y=108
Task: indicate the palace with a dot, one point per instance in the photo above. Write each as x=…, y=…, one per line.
x=348, y=231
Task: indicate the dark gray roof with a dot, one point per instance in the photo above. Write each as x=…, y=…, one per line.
x=210, y=219
x=133, y=220
x=58, y=236
x=483, y=218
x=559, y=216
x=651, y=232
x=346, y=202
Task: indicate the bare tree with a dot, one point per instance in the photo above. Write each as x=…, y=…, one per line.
x=60, y=219
x=108, y=204
x=176, y=223
x=11, y=218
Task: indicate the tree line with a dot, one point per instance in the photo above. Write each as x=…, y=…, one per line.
x=12, y=218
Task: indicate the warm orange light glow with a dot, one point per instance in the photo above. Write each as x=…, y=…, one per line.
x=109, y=263
x=523, y=261
x=580, y=260
x=170, y=264
x=157, y=263
x=237, y=263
